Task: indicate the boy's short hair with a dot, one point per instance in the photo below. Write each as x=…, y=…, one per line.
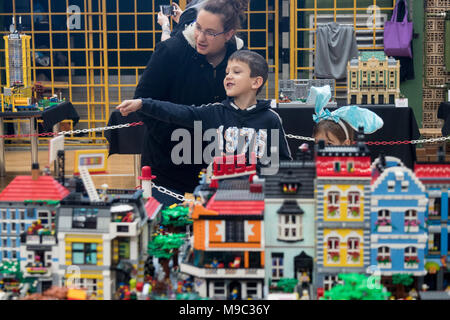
x=257, y=64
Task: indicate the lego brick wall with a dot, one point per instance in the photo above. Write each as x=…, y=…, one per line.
x=434, y=71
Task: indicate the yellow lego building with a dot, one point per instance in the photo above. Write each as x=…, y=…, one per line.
x=373, y=78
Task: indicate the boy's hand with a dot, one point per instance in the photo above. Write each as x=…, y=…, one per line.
x=129, y=106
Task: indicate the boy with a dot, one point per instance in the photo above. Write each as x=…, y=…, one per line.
x=239, y=120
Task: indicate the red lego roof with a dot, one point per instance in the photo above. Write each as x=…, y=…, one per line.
x=151, y=207
x=325, y=166
x=246, y=207
x=432, y=170
x=25, y=188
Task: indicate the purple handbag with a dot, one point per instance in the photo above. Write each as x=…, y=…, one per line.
x=398, y=35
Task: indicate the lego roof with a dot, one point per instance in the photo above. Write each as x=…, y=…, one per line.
x=233, y=207
x=292, y=172
x=434, y=171
x=361, y=167
x=366, y=55
x=25, y=188
x=152, y=207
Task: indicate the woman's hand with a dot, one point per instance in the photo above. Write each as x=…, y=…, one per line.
x=162, y=19
x=177, y=10
x=129, y=106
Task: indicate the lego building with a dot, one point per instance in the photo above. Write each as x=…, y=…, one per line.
x=373, y=78
x=103, y=243
x=342, y=212
x=290, y=208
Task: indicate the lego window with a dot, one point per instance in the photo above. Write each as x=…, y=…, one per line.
x=333, y=248
x=234, y=231
x=277, y=266
x=434, y=208
x=353, y=198
x=252, y=289
x=290, y=188
x=5, y=228
x=13, y=214
x=330, y=281
x=289, y=227
x=333, y=198
x=31, y=214
x=84, y=218
x=391, y=185
x=22, y=214
x=411, y=221
x=333, y=244
x=411, y=258
x=3, y=215
x=405, y=186
x=45, y=218
x=434, y=243
x=84, y=253
x=219, y=288
x=384, y=253
x=337, y=167
x=350, y=166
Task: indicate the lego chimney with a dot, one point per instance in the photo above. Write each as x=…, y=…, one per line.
x=35, y=171
x=146, y=177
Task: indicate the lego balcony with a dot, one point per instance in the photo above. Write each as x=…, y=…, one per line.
x=222, y=273
x=40, y=271
x=124, y=229
x=35, y=239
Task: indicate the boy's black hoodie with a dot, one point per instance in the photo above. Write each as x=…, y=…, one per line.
x=215, y=115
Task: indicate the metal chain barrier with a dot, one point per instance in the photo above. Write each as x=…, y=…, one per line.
x=133, y=124
x=177, y=196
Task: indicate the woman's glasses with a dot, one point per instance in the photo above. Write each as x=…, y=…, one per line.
x=208, y=34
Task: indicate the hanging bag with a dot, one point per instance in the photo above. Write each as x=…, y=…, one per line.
x=398, y=35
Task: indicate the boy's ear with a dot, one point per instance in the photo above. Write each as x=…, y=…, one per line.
x=257, y=82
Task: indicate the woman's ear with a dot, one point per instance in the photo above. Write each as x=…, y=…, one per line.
x=229, y=35
x=347, y=142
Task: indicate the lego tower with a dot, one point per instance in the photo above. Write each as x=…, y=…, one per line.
x=18, y=69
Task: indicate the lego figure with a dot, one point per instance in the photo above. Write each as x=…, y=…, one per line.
x=305, y=295
x=234, y=294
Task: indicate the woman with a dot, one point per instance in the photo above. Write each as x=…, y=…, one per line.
x=188, y=68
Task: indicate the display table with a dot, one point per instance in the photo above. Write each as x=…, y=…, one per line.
x=399, y=124
x=50, y=117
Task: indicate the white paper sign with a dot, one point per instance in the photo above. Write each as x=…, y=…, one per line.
x=55, y=144
x=401, y=103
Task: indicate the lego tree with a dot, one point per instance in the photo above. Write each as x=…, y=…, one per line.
x=175, y=217
x=356, y=287
x=11, y=269
x=402, y=280
x=286, y=285
x=164, y=246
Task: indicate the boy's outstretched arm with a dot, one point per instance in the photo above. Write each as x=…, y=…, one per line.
x=179, y=114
